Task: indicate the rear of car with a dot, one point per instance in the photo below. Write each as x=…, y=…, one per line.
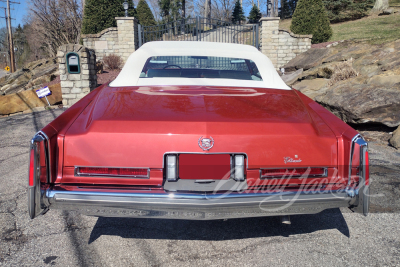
x=197, y=136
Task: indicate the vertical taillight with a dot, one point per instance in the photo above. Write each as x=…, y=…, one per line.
x=172, y=168
x=32, y=168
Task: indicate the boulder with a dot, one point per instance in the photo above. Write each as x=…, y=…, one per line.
x=28, y=100
x=395, y=140
x=346, y=52
x=307, y=60
x=360, y=103
x=312, y=88
x=322, y=71
x=292, y=77
x=371, y=97
x=38, y=71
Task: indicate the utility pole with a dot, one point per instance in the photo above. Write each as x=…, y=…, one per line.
x=10, y=38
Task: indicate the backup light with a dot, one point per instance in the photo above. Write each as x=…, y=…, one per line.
x=293, y=173
x=238, y=174
x=121, y=172
x=172, y=173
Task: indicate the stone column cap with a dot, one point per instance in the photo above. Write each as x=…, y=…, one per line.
x=269, y=18
x=126, y=18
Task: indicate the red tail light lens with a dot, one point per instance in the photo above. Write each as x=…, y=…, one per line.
x=293, y=173
x=32, y=168
x=123, y=172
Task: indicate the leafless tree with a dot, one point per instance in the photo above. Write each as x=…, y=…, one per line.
x=55, y=22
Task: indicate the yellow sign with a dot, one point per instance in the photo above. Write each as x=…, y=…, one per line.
x=7, y=68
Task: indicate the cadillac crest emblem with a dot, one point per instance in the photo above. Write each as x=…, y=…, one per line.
x=206, y=143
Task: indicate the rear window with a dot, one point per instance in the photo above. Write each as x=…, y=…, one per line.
x=200, y=67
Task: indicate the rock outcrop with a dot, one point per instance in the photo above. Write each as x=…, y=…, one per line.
x=371, y=97
x=395, y=140
x=28, y=100
x=32, y=75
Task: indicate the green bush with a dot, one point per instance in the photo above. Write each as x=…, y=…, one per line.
x=101, y=14
x=255, y=14
x=310, y=17
x=344, y=10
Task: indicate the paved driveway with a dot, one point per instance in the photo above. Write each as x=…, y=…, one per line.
x=335, y=237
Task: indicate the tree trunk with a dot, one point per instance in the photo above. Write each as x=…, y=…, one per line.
x=183, y=8
x=83, y=7
x=276, y=2
x=381, y=5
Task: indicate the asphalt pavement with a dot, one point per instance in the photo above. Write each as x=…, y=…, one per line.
x=334, y=237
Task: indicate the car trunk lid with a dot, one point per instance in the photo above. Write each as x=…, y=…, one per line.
x=137, y=126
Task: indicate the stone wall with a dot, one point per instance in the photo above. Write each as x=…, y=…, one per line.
x=121, y=40
x=76, y=86
x=280, y=45
x=104, y=43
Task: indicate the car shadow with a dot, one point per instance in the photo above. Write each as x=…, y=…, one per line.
x=217, y=230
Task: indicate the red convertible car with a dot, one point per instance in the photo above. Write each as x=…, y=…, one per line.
x=197, y=130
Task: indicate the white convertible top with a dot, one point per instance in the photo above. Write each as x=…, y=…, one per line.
x=130, y=73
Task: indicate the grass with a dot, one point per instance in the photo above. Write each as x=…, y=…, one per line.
x=394, y=3
x=375, y=29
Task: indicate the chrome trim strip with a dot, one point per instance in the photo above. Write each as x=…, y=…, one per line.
x=296, y=177
x=78, y=174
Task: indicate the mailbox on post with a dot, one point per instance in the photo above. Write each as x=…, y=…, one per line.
x=73, y=65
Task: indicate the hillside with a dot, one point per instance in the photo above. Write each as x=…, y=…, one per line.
x=374, y=29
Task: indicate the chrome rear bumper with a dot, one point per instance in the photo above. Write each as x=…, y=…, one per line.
x=160, y=204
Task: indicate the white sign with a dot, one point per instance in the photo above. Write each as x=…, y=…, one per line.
x=43, y=92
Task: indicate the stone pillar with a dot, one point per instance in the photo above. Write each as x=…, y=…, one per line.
x=76, y=86
x=128, y=40
x=270, y=38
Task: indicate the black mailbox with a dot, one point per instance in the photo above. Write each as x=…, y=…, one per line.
x=73, y=65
